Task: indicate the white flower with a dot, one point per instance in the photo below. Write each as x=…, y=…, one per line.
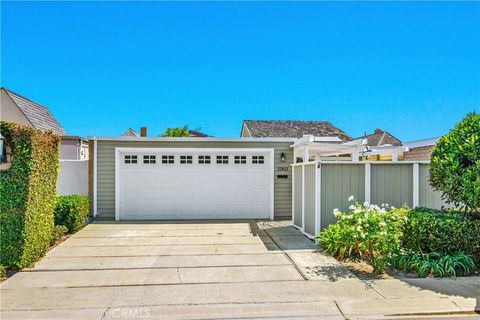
x=352, y=207
x=362, y=235
x=366, y=203
x=382, y=223
x=351, y=198
x=355, y=236
x=359, y=228
x=336, y=212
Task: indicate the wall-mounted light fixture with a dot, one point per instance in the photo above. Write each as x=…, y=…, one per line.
x=282, y=157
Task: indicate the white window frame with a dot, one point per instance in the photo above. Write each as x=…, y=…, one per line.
x=149, y=159
x=130, y=159
x=165, y=151
x=169, y=157
x=224, y=157
x=242, y=159
x=187, y=159
x=258, y=159
x=206, y=157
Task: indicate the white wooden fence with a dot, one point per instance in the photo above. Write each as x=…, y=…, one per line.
x=319, y=187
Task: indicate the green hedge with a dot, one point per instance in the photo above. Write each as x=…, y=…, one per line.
x=72, y=211
x=429, y=230
x=27, y=194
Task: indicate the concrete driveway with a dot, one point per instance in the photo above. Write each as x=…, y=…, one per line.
x=204, y=270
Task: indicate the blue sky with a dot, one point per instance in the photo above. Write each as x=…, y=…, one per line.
x=102, y=67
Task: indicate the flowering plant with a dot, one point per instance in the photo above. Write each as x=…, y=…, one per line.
x=367, y=232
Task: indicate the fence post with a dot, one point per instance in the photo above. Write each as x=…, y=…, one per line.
x=416, y=184
x=293, y=195
x=368, y=178
x=318, y=186
x=303, y=197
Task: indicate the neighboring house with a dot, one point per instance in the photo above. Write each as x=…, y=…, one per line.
x=18, y=109
x=291, y=129
x=381, y=138
x=132, y=133
x=419, y=150
x=384, y=140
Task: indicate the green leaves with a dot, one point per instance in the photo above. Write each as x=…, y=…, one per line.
x=72, y=211
x=455, y=164
x=435, y=264
x=27, y=194
x=367, y=232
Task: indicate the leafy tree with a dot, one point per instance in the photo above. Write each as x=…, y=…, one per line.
x=455, y=164
x=177, y=132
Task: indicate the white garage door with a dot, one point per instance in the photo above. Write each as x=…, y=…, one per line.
x=158, y=184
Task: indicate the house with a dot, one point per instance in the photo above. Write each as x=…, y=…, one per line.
x=382, y=142
x=132, y=133
x=291, y=129
x=419, y=150
x=18, y=109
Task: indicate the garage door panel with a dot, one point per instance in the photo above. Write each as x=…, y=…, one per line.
x=194, y=191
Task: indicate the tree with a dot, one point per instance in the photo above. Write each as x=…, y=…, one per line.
x=455, y=164
x=177, y=132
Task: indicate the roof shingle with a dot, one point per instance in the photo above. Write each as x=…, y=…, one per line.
x=38, y=115
x=293, y=129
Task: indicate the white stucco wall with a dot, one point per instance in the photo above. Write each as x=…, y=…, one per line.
x=73, y=177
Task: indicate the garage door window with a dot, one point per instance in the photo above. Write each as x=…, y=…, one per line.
x=258, y=159
x=130, y=158
x=186, y=159
x=149, y=159
x=222, y=159
x=168, y=159
x=204, y=159
x=240, y=160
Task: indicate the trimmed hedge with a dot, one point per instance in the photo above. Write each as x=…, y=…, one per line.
x=58, y=233
x=443, y=232
x=27, y=194
x=72, y=211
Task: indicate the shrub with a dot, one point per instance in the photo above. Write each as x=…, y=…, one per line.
x=429, y=230
x=455, y=164
x=367, y=232
x=435, y=264
x=27, y=194
x=72, y=211
x=58, y=233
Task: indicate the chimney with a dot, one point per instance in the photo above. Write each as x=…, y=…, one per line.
x=378, y=130
x=143, y=132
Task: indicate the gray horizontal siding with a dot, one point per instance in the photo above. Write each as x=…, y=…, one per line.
x=106, y=170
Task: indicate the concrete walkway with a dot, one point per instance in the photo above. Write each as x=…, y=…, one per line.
x=214, y=270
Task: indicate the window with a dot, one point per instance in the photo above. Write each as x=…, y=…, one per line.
x=258, y=159
x=186, y=159
x=168, y=159
x=204, y=159
x=222, y=159
x=240, y=160
x=130, y=158
x=149, y=159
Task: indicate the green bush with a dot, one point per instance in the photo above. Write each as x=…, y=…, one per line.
x=367, y=232
x=58, y=233
x=72, y=211
x=455, y=164
x=27, y=194
x=447, y=233
x=435, y=264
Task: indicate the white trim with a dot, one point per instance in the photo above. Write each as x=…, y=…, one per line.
x=194, y=139
x=368, y=178
x=308, y=235
x=293, y=196
x=118, y=150
x=95, y=207
x=416, y=185
x=272, y=184
x=117, y=184
x=303, y=198
x=318, y=200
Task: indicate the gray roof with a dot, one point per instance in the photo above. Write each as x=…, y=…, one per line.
x=293, y=129
x=38, y=115
x=130, y=133
x=380, y=138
